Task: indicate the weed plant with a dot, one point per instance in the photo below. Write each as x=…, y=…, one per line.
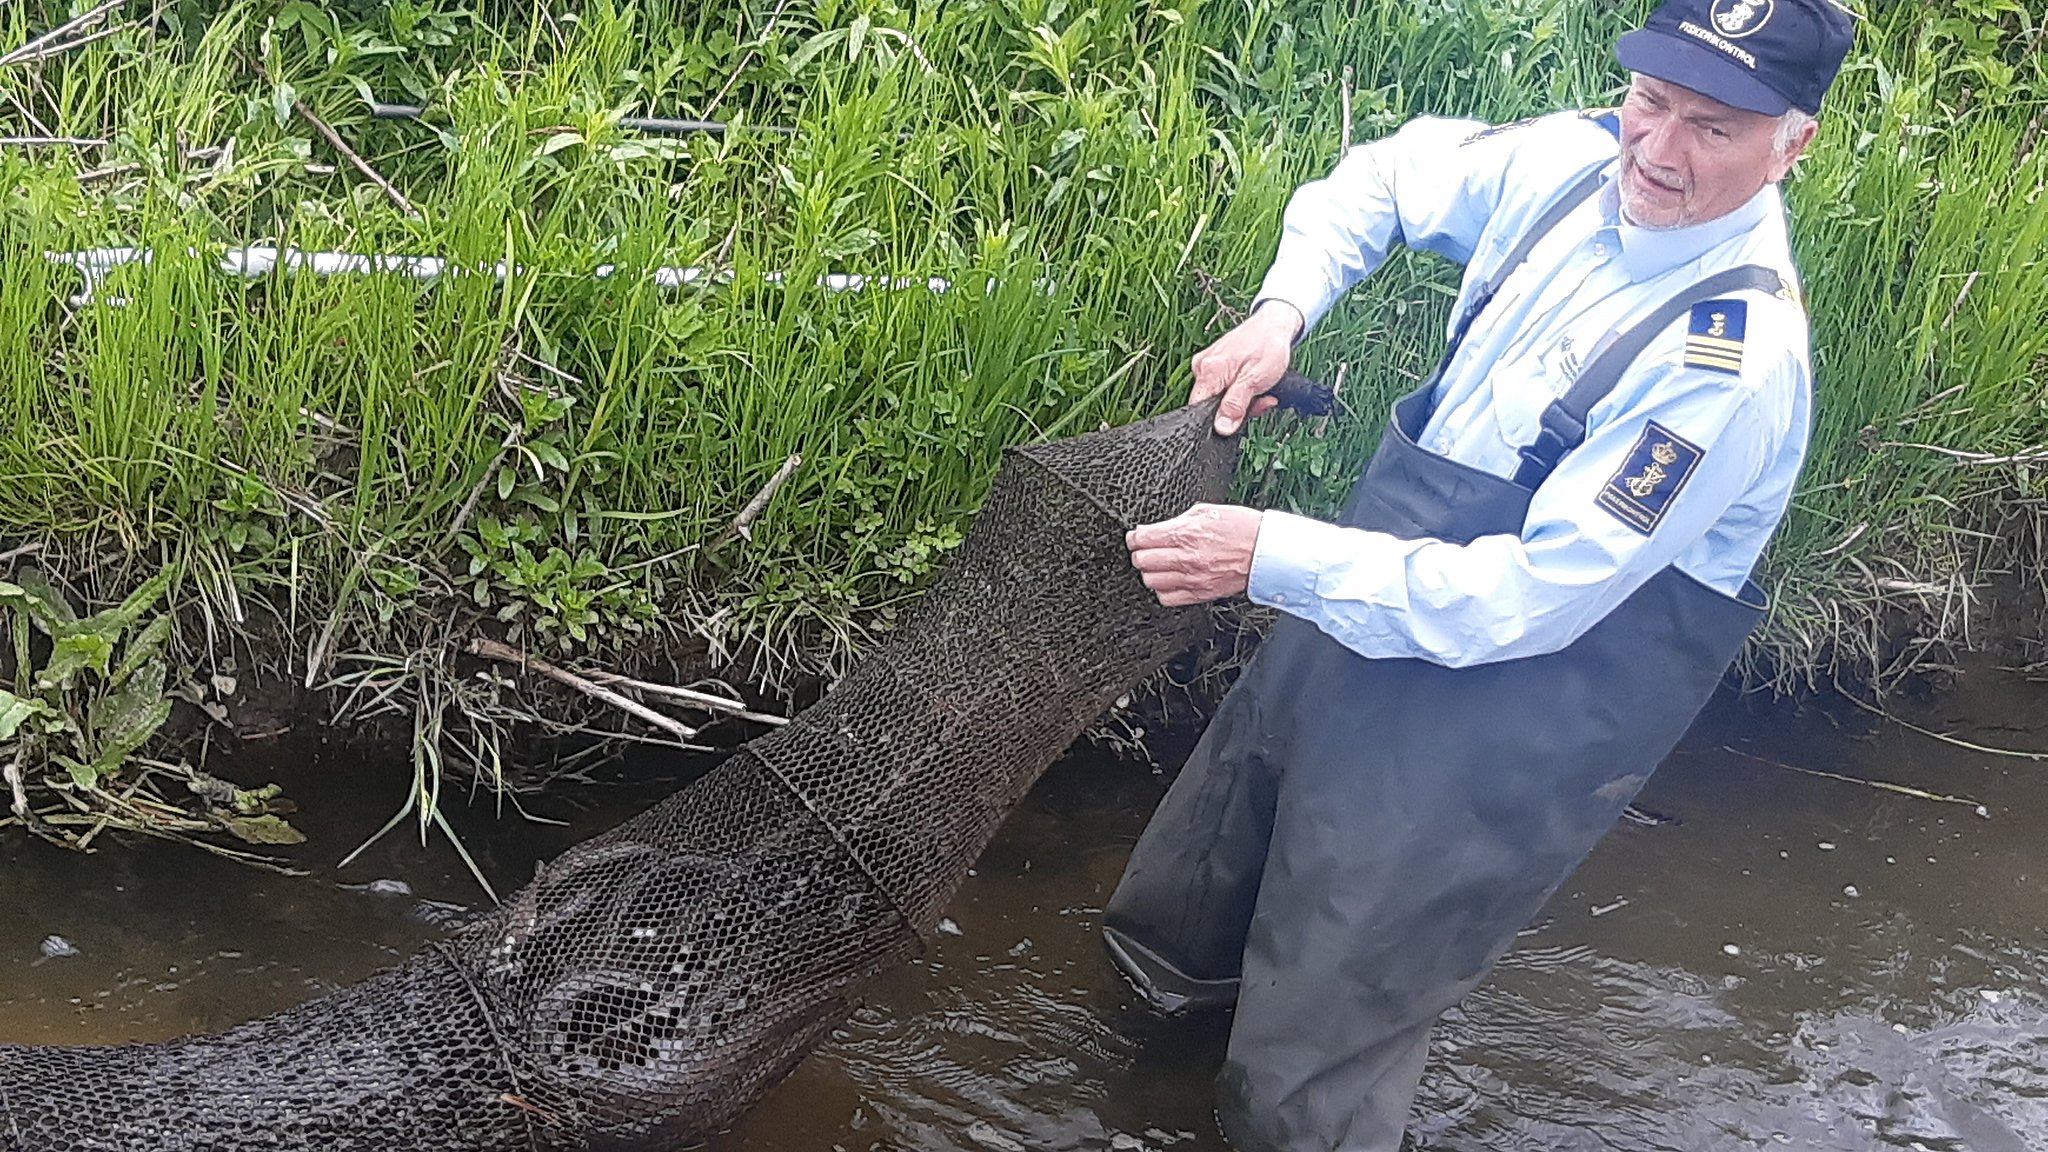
x=347, y=477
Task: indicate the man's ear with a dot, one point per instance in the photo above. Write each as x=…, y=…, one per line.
x=1781, y=166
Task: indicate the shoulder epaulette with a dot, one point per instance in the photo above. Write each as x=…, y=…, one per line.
x=1714, y=339
x=1608, y=118
x=1497, y=129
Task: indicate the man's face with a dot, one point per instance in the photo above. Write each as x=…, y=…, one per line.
x=1687, y=159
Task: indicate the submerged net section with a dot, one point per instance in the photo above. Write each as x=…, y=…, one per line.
x=653, y=982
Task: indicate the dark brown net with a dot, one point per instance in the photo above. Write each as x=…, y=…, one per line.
x=651, y=983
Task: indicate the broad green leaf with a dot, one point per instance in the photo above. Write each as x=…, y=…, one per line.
x=813, y=47
x=74, y=654
x=265, y=830
x=143, y=599
x=44, y=602
x=136, y=730
x=558, y=142
x=549, y=455
x=110, y=624
x=131, y=713
x=16, y=711
x=143, y=648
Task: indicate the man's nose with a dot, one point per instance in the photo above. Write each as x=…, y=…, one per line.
x=1661, y=146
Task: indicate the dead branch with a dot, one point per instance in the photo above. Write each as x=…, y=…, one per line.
x=742, y=525
x=493, y=650
x=48, y=43
x=50, y=142
x=1969, y=283
x=476, y=494
x=14, y=784
x=704, y=700
x=357, y=162
x=1880, y=785
x=745, y=60
x=1344, y=141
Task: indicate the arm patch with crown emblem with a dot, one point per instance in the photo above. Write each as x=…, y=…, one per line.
x=1650, y=478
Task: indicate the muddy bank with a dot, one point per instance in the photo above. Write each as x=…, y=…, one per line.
x=1796, y=961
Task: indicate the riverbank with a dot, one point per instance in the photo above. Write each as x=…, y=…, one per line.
x=343, y=481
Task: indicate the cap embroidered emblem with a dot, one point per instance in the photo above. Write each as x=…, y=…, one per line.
x=1738, y=18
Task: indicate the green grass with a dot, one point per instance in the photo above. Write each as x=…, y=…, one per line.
x=351, y=476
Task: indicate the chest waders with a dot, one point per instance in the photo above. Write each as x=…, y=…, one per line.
x=1354, y=842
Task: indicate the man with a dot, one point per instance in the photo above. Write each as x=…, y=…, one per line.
x=1538, y=582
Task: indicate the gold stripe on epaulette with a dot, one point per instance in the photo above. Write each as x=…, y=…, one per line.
x=1715, y=343
x=1702, y=360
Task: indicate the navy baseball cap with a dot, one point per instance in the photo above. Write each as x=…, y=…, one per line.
x=1763, y=55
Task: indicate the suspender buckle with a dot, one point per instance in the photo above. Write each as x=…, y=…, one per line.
x=1561, y=433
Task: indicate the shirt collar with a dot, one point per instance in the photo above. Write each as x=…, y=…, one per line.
x=1647, y=253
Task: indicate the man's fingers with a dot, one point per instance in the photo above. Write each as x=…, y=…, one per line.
x=1163, y=534
x=1146, y=537
x=1214, y=373
x=1159, y=560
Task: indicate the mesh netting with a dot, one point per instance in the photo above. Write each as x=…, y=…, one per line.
x=651, y=983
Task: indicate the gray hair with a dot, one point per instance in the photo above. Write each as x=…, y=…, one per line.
x=1790, y=125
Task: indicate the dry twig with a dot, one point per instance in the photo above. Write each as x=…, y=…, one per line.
x=50, y=142
x=742, y=525
x=52, y=42
x=476, y=494
x=14, y=784
x=493, y=650
x=704, y=700
x=1881, y=785
x=357, y=162
x=745, y=60
x=1344, y=142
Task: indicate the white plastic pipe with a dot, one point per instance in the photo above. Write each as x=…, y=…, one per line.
x=95, y=264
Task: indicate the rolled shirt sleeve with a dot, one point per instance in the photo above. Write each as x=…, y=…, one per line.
x=1503, y=597
x=1433, y=185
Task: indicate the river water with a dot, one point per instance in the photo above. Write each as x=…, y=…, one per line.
x=1789, y=961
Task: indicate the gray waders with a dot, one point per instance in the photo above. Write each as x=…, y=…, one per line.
x=1355, y=842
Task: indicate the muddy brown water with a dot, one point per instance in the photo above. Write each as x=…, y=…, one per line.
x=1797, y=962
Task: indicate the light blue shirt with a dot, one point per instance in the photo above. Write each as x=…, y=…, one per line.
x=1468, y=192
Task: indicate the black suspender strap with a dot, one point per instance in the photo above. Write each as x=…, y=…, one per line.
x=1574, y=196
x=1564, y=422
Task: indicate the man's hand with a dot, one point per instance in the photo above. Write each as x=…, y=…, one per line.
x=1245, y=362
x=1200, y=555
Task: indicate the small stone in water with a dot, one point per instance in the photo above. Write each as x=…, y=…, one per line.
x=1983, y=811
x=55, y=947
x=1731, y=949
x=1850, y=891
x=388, y=888
x=949, y=928
x=1125, y=1142
x=1827, y=845
x=1990, y=997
